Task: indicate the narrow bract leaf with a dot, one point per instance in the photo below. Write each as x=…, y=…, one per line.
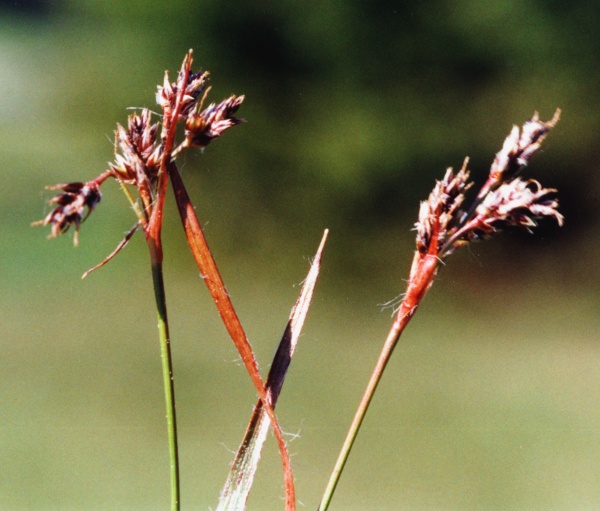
x=122, y=244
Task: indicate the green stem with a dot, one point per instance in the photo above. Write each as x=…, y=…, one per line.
x=361, y=411
x=167, y=370
x=422, y=274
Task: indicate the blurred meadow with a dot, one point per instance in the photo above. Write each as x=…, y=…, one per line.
x=354, y=108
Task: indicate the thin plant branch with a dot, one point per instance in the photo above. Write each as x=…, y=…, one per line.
x=122, y=244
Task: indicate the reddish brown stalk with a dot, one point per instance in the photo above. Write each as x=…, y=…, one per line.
x=103, y=177
x=168, y=142
x=214, y=282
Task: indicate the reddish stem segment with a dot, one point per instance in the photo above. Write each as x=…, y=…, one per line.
x=422, y=275
x=169, y=132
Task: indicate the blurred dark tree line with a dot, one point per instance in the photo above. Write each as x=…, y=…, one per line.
x=354, y=107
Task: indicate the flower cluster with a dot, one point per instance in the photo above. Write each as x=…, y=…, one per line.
x=74, y=205
x=139, y=161
x=194, y=84
x=140, y=156
x=201, y=128
x=504, y=200
x=440, y=211
x=518, y=203
x=518, y=148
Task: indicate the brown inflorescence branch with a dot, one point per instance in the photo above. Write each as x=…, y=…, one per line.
x=139, y=152
x=520, y=146
x=441, y=211
x=139, y=160
x=202, y=127
x=194, y=84
x=518, y=203
x=505, y=200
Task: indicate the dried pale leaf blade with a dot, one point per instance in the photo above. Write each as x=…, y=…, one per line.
x=237, y=487
x=293, y=329
x=241, y=476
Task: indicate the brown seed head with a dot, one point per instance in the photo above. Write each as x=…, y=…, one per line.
x=138, y=161
x=201, y=128
x=518, y=203
x=166, y=95
x=519, y=147
x=442, y=209
x=71, y=207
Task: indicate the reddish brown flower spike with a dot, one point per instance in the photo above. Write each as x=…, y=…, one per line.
x=518, y=149
x=201, y=128
x=518, y=203
x=71, y=209
x=167, y=93
x=503, y=201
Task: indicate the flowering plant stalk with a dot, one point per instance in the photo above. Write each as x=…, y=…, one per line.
x=504, y=200
x=144, y=165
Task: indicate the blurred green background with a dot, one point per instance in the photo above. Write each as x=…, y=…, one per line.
x=354, y=108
